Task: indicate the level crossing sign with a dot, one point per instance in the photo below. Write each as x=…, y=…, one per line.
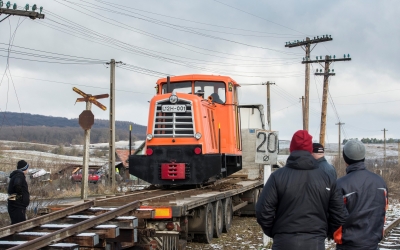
x=267, y=147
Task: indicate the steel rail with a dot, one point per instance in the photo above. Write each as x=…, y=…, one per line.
x=9, y=230
x=77, y=228
x=391, y=225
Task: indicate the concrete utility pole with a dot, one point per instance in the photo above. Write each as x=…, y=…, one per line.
x=340, y=141
x=14, y=12
x=305, y=45
x=327, y=72
x=384, y=147
x=269, y=105
x=111, y=154
x=302, y=109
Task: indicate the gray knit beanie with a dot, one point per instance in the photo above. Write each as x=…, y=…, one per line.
x=353, y=151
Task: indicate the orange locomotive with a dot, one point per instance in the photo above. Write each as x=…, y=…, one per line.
x=193, y=132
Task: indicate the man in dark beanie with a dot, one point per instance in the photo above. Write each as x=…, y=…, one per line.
x=365, y=195
x=18, y=199
x=295, y=202
x=319, y=154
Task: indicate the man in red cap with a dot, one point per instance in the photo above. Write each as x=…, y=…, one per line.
x=295, y=202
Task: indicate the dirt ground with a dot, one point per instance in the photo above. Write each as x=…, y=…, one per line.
x=245, y=233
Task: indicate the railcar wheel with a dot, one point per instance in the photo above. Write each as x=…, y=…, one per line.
x=208, y=225
x=218, y=218
x=227, y=214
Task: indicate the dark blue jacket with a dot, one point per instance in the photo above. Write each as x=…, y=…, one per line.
x=322, y=163
x=18, y=186
x=366, y=197
x=298, y=198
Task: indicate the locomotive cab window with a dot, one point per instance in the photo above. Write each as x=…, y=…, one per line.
x=214, y=89
x=178, y=87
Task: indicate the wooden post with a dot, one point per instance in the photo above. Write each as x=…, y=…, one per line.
x=85, y=167
x=324, y=103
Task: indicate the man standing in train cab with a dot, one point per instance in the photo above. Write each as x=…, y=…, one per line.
x=319, y=154
x=295, y=202
x=18, y=194
x=365, y=195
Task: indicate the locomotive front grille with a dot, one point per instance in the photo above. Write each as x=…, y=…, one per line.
x=173, y=124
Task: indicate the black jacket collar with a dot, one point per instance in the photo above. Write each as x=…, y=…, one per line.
x=301, y=159
x=356, y=166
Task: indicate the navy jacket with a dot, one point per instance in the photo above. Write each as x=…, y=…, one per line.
x=18, y=186
x=322, y=163
x=366, y=197
x=298, y=198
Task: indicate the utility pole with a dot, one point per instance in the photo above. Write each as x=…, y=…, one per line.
x=269, y=105
x=340, y=141
x=384, y=147
x=327, y=72
x=306, y=46
x=302, y=108
x=111, y=154
x=14, y=12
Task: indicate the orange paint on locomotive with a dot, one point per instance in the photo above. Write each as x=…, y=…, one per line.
x=206, y=105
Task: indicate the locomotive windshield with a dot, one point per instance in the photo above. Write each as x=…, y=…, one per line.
x=178, y=87
x=214, y=89
x=206, y=88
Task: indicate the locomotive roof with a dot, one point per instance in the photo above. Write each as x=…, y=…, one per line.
x=198, y=77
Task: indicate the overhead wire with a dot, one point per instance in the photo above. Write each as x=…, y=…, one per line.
x=187, y=20
x=167, y=40
x=168, y=24
x=10, y=44
x=258, y=16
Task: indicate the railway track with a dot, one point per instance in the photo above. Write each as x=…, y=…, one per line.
x=391, y=239
x=109, y=223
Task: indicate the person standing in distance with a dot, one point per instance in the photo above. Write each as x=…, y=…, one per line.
x=18, y=193
x=319, y=154
x=365, y=195
x=295, y=202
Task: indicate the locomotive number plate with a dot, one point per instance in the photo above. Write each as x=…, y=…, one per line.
x=173, y=108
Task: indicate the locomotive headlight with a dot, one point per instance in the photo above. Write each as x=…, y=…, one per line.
x=197, y=136
x=173, y=99
x=149, y=137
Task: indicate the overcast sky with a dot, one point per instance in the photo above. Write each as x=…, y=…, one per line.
x=242, y=39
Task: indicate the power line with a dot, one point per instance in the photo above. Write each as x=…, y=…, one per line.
x=171, y=25
x=182, y=19
x=258, y=16
x=166, y=40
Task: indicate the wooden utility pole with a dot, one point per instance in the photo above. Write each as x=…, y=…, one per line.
x=86, y=121
x=340, y=141
x=302, y=108
x=384, y=147
x=14, y=12
x=327, y=72
x=111, y=153
x=306, y=46
x=269, y=105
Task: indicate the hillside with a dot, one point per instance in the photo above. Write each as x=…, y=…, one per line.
x=61, y=130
